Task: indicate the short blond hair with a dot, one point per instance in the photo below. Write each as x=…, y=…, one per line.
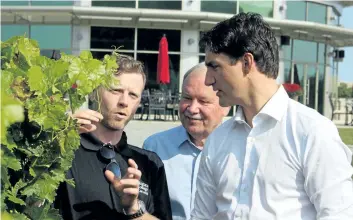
x=128, y=64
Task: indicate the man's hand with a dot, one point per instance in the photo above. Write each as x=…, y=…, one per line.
x=86, y=120
x=127, y=187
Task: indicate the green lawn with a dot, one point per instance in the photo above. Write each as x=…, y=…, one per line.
x=346, y=135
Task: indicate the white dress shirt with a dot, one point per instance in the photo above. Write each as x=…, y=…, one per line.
x=291, y=165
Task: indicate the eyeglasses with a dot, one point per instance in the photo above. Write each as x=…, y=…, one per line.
x=108, y=153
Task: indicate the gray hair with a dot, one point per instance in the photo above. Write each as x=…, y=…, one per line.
x=193, y=69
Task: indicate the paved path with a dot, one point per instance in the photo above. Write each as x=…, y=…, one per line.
x=137, y=131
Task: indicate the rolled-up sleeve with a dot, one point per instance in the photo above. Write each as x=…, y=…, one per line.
x=328, y=173
x=205, y=197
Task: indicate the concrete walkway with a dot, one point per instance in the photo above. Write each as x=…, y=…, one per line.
x=137, y=131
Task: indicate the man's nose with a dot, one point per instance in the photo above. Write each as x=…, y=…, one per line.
x=123, y=100
x=194, y=107
x=209, y=79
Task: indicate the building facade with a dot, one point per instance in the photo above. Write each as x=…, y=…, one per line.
x=308, y=33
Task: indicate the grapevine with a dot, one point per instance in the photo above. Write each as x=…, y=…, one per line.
x=38, y=136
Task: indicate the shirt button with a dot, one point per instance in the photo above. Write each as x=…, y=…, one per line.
x=244, y=188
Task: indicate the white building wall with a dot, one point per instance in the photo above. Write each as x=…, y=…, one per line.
x=81, y=34
x=189, y=45
x=279, y=12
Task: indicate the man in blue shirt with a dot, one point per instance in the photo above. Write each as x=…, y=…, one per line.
x=180, y=147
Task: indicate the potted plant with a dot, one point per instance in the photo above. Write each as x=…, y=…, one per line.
x=38, y=137
x=293, y=90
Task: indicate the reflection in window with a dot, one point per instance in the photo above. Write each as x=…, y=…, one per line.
x=317, y=13
x=106, y=37
x=264, y=8
x=14, y=3
x=287, y=71
x=229, y=7
x=321, y=58
x=52, y=36
x=148, y=39
x=150, y=62
x=304, y=51
x=321, y=88
x=296, y=10
x=171, y=5
x=287, y=52
x=121, y=4
x=8, y=31
x=201, y=49
x=54, y=3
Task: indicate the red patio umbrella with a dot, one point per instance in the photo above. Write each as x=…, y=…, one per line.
x=163, y=75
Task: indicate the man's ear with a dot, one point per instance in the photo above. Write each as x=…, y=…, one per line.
x=248, y=62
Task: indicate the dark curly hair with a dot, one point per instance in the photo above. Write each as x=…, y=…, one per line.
x=245, y=33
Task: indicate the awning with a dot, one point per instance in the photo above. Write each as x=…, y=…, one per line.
x=165, y=19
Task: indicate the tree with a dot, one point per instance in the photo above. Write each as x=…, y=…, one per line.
x=344, y=91
x=38, y=137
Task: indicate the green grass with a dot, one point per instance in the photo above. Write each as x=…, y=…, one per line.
x=346, y=135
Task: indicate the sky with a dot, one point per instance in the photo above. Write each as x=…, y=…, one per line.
x=345, y=68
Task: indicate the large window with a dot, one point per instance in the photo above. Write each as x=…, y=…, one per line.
x=52, y=39
x=304, y=51
x=52, y=36
x=317, y=13
x=8, y=31
x=148, y=39
x=37, y=2
x=306, y=11
x=145, y=49
x=121, y=4
x=171, y=5
x=108, y=37
x=14, y=3
x=229, y=7
x=150, y=62
x=296, y=10
x=265, y=8
x=54, y=3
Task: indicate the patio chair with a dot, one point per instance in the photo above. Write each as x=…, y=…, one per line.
x=173, y=106
x=157, y=103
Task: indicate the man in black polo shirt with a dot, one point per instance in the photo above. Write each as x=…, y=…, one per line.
x=114, y=180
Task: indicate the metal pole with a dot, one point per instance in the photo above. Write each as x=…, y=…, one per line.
x=305, y=82
x=346, y=118
x=317, y=88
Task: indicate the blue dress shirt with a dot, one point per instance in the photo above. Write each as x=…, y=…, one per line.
x=181, y=162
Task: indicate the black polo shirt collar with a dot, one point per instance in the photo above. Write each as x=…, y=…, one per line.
x=90, y=142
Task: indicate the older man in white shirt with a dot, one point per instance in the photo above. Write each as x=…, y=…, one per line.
x=276, y=159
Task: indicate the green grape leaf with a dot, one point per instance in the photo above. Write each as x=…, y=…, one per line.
x=44, y=188
x=11, y=112
x=58, y=69
x=10, y=161
x=4, y=176
x=28, y=49
x=14, y=199
x=86, y=55
x=42, y=90
x=15, y=216
x=36, y=79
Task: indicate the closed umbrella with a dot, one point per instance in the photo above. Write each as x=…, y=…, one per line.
x=163, y=75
